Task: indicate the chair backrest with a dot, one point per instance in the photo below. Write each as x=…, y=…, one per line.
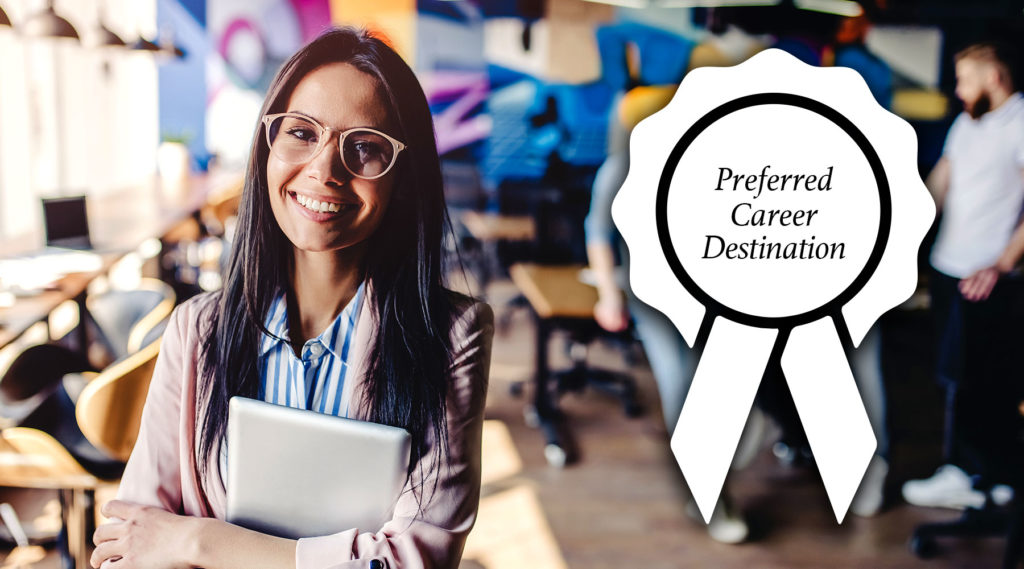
x=30, y=458
x=109, y=410
x=141, y=333
x=126, y=317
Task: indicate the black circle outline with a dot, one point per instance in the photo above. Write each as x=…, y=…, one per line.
x=881, y=181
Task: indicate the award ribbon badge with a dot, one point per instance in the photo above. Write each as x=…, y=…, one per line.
x=773, y=210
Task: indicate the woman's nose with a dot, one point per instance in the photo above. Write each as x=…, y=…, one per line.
x=326, y=165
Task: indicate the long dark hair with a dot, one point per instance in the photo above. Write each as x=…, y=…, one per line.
x=405, y=382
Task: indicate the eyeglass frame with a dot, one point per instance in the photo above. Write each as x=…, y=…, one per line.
x=398, y=145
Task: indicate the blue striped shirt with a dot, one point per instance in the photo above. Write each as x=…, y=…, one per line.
x=316, y=380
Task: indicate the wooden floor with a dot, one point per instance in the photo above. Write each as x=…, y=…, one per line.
x=622, y=504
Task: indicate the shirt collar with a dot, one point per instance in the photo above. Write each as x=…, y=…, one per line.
x=334, y=338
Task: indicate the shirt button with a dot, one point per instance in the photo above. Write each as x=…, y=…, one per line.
x=316, y=350
x=376, y=564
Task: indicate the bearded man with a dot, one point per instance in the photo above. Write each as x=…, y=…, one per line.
x=976, y=289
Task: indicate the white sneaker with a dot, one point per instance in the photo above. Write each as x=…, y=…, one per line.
x=1001, y=494
x=949, y=487
x=868, y=499
x=727, y=525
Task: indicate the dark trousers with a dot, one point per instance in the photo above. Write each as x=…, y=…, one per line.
x=980, y=364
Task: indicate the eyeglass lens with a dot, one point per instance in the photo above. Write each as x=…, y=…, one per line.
x=364, y=153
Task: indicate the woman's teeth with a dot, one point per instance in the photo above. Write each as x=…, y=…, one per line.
x=316, y=205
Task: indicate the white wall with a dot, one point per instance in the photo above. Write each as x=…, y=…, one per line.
x=104, y=134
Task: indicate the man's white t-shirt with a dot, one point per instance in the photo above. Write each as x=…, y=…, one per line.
x=986, y=189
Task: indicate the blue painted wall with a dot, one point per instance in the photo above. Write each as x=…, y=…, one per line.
x=182, y=82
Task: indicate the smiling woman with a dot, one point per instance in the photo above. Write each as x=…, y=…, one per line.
x=333, y=301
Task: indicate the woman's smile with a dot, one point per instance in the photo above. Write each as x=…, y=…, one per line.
x=321, y=208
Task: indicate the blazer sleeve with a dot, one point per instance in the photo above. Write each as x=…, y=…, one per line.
x=152, y=475
x=435, y=537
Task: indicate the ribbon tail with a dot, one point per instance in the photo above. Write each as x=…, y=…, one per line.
x=717, y=405
x=830, y=409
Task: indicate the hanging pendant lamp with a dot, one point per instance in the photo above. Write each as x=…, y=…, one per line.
x=47, y=24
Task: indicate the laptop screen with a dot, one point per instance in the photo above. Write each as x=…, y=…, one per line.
x=66, y=222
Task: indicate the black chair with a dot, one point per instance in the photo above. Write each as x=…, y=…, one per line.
x=560, y=302
x=558, y=204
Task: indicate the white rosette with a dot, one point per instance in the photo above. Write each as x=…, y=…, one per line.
x=797, y=311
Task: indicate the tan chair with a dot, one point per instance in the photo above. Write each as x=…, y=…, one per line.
x=108, y=412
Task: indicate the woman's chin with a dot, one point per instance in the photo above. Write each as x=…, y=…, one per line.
x=321, y=246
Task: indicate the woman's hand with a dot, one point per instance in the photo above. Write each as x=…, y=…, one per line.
x=146, y=537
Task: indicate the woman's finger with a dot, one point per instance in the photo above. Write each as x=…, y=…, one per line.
x=109, y=531
x=105, y=551
x=119, y=509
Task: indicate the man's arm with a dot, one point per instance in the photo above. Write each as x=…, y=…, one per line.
x=938, y=182
x=979, y=285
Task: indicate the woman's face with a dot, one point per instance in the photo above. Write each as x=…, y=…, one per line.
x=340, y=97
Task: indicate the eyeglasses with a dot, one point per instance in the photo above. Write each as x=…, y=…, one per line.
x=365, y=152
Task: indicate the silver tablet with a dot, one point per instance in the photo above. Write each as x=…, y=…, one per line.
x=296, y=473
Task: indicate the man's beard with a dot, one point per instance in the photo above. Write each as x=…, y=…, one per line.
x=979, y=107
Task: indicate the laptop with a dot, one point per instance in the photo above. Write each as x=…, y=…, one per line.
x=296, y=473
x=66, y=222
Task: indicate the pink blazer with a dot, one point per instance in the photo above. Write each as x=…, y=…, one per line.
x=163, y=472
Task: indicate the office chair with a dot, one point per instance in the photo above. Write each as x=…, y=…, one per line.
x=33, y=376
x=126, y=320
x=86, y=443
x=561, y=302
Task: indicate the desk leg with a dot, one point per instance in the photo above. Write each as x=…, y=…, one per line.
x=542, y=394
x=545, y=403
x=77, y=539
x=75, y=504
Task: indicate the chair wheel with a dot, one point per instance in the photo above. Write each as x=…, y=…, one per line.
x=923, y=547
x=531, y=417
x=555, y=455
x=634, y=410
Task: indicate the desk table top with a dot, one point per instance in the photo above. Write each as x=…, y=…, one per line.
x=493, y=226
x=555, y=291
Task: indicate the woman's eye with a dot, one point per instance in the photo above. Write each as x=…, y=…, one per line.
x=303, y=134
x=367, y=149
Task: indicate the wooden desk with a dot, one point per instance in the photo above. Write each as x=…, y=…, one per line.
x=489, y=229
x=497, y=227
x=118, y=223
x=555, y=291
